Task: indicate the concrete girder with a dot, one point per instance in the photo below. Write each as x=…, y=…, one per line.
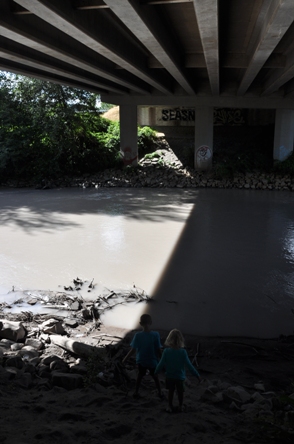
x=151, y=34
x=13, y=56
x=279, y=78
x=29, y=72
x=273, y=102
x=61, y=16
x=207, y=19
x=232, y=60
x=17, y=35
x=277, y=19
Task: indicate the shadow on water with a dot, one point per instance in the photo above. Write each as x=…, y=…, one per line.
x=231, y=271
x=48, y=209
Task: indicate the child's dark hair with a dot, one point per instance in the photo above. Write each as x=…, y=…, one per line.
x=175, y=339
x=145, y=319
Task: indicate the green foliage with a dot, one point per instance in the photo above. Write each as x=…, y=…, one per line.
x=155, y=155
x=146, y=137
x=48, y=130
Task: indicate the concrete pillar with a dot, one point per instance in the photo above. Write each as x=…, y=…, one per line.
x=284, y=134
x=203, y=138
x=129, y=134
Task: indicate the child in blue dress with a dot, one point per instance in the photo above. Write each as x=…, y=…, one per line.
x=175, y=360
x=147, y=346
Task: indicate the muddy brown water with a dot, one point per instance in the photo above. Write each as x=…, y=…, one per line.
x=216, y=262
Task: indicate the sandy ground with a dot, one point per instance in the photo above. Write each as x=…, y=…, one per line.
x=109, y=414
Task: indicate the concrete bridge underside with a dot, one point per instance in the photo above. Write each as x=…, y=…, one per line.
x=196, y=53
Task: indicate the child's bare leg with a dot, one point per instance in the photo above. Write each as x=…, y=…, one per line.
x=180, y=398
x=157, y=383
x=170, y=398
x=138, y=383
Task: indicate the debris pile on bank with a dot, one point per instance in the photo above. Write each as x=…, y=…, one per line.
x=42, y=350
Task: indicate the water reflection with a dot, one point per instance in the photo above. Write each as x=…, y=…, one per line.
x=113, y=235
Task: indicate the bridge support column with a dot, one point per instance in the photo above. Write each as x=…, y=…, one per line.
x=128, y=134
x=284, y=134
x=203, y=138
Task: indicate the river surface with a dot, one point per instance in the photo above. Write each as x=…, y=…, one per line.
x=215, y=262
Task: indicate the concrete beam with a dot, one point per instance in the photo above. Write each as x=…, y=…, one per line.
x=61, y=16
x=231, y=60
x=36, y=74
x=11, y=55
x=272, y=102
x=16, y=34
x=151, y=33
x=99, y=4
x=207, y=19
x=279, y=78
x=278, y=18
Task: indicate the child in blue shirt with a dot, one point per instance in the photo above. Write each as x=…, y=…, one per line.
x=175, y=360
x=147, y=346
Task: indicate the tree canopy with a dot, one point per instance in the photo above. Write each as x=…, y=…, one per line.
x=47, y=129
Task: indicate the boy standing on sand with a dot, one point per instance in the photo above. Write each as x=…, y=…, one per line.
x=148, y=347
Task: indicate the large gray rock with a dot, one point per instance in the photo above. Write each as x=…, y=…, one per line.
x=14, y=361
x=13, y=331
x=238, y=394
x=79, y=368
x=16, y=346
x=35, y=343
x=28, y=352
x=7, y=343
x=59, y=366
x=52, y=326
x=46, y=360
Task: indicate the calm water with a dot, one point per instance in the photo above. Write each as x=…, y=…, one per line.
x=216, y=262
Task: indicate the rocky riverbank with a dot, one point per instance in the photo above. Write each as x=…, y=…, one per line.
x=163, y=169
x=63, y=382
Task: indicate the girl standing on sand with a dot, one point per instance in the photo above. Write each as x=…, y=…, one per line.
x=175, y=360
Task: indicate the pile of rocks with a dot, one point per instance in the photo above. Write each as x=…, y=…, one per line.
x=163, y=169
x=45, y=356
x=252, y=402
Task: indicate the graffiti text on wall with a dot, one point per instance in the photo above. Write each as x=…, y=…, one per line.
x=226, y=116
x=178, y=114
x=221, y=116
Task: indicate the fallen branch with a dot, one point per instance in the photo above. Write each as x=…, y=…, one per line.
x=78, y=348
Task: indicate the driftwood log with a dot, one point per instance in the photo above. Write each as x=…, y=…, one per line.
x=79, y=348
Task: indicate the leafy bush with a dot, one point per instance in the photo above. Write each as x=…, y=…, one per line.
x=146, y=137
x=48, y=130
